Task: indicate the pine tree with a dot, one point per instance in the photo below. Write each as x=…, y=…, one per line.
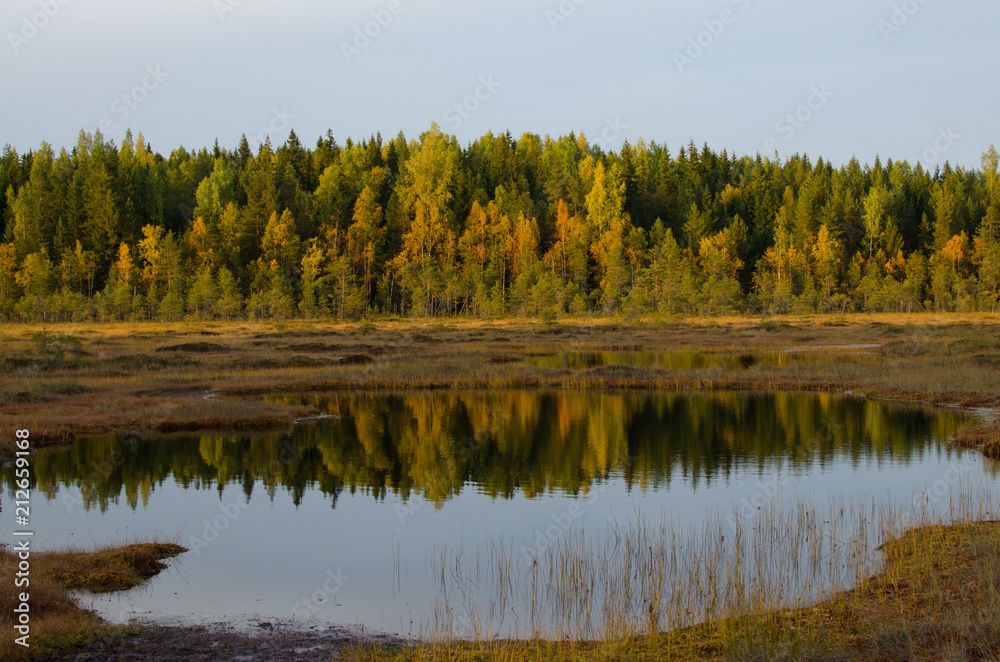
x=202, y=294
x=365, y=238
x=37, y=279
x=229, y=302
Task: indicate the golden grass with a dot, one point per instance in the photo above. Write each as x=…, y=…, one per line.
x=125, y=379
x=58, y=625
x=936, y=598
x=984, y=439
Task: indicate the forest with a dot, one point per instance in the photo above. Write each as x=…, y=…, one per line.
x=528, y=227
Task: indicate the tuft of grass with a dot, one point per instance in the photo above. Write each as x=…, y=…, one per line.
x=35, y=391
x=58, y=625
x=984, y=439
x=113, y=569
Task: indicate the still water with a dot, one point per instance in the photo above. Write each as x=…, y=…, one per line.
x=351, y=519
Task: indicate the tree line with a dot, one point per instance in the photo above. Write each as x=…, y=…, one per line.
x=531, y=226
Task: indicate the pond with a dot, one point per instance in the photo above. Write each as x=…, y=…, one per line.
x=434, y=512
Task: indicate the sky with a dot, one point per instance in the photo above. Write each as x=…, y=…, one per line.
x=900, y=79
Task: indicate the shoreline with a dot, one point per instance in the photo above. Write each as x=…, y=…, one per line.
x=173, y=392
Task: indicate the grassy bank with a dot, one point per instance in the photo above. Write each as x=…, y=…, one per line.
x=985, y=439
x=936, y=598
x=58, y=625
x=75, y=379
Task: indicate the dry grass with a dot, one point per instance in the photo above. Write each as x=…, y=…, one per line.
x=984, y=439
x=58, y=626
x=157, y=376
x=936, y=598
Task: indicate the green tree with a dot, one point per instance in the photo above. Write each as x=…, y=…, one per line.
x=202, y=294
x=37, y=280
x=10, y=289
x=229, y=302
x=365, y=238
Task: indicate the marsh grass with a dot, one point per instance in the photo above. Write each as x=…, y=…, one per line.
x=839, y=580
x=844, y=580
x=58, y=625
x=123, y=375
x=984, y=439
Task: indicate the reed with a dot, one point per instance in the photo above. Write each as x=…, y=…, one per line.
x=845, y=579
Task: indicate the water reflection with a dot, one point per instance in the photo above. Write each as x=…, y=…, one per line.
x=695, y=360
x=392, y=487
x=436, y=444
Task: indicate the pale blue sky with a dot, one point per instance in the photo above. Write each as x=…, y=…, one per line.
x=228, y=67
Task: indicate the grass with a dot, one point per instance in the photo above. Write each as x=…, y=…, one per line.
x=929, y=593
x=985, y=439
x=157, y=376
x=58, y=625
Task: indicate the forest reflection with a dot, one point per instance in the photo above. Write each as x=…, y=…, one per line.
x=502, y=443
x=694, y=360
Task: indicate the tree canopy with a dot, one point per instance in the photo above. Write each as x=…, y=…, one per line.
x=529, y=226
